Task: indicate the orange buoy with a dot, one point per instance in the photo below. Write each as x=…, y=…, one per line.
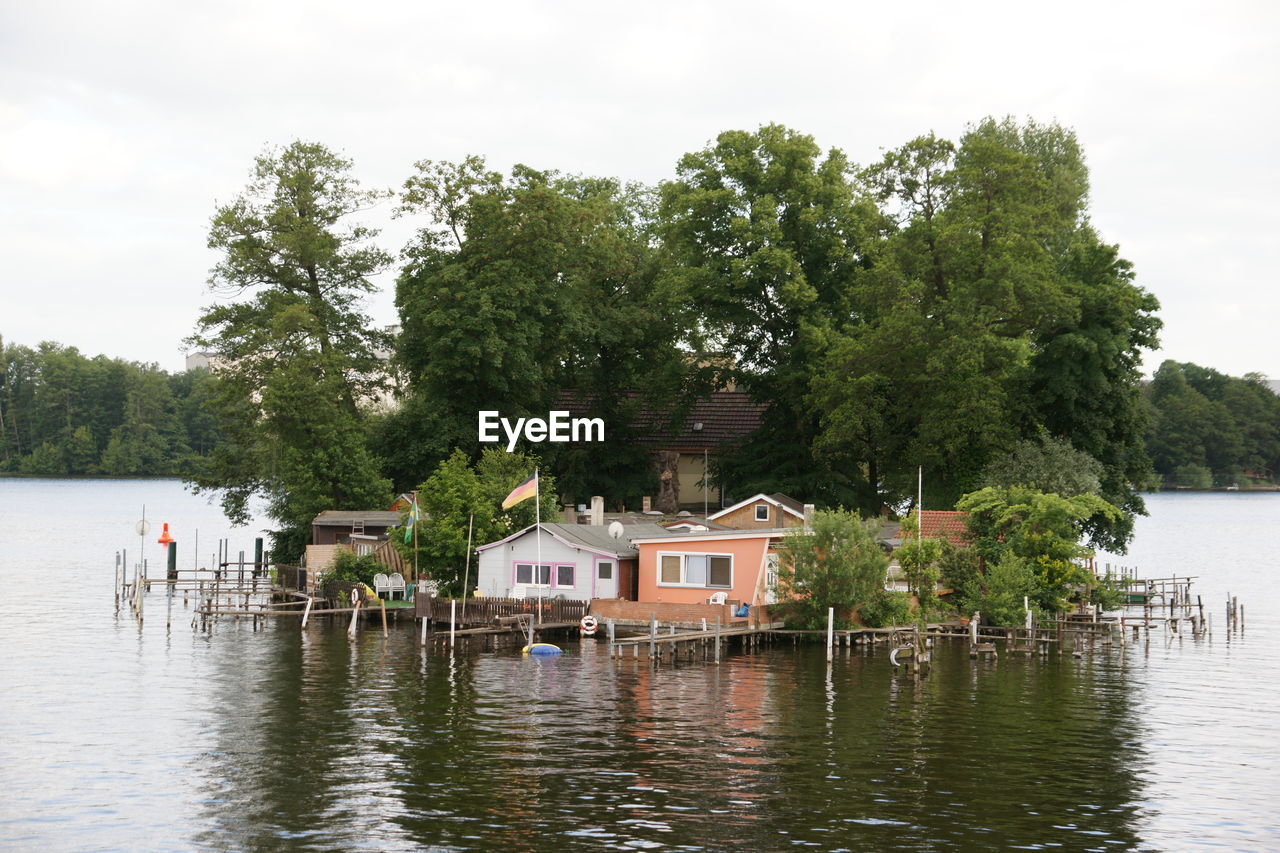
x=165, y=539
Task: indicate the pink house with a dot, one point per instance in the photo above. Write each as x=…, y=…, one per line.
x=713, y=565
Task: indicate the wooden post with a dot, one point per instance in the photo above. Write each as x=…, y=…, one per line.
x=831, y=629
x=382, y=605
x=653, y=635
x=423, y=640
x=717, y=638
x=453, y=625
x=306, y=611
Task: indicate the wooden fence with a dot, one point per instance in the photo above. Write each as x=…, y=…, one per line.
x=483, y=611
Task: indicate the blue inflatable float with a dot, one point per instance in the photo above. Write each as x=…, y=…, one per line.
x=542, y=649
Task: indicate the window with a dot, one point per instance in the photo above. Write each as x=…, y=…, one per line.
x=671, y=566
x=714, y=571
x=771, y=571
x=524, y=574
x=564, y=575
x=762, y=512
x=720, y=572
x=604, y=570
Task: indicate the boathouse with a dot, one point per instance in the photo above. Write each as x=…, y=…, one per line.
x=578, y=562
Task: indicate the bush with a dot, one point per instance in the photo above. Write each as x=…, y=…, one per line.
x=348, y=570
x=1001, y=593
x=887, y=609
x=835, y=563
x=1191, y=477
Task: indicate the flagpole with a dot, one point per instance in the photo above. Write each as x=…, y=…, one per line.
x=415, y=535
x=537, y=532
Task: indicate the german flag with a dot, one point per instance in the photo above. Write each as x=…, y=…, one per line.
x=522, y=492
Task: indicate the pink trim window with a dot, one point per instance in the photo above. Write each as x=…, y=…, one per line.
x=552, y=575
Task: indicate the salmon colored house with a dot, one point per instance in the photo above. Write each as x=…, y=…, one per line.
x=710, y=566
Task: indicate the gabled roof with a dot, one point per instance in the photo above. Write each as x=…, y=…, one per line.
x=778, y=499
x=718, y=417
x=762, y=533
x=944, y=524
x=590, y=538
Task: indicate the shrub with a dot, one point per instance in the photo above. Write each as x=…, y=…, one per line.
x=835, y=563
x=1000, y=595
x=887, y=609
x=348, y=570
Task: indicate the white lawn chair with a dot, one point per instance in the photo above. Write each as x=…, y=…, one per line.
x=718, y=598
x=381, y=584
x=396, y=584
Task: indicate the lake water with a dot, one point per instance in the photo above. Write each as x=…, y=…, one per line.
x=120, y=737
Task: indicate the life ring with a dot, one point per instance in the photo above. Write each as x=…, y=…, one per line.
x=589, y=625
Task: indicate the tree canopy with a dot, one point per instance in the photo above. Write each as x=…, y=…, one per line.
x=299, y=358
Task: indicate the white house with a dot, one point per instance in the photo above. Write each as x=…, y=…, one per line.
x=578, y=561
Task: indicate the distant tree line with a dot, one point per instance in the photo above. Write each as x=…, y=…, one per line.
x=1208, y=429
x=63, y=413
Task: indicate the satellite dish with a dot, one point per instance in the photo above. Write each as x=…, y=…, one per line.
x=615, y=530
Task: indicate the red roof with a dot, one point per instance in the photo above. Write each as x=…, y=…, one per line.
x=944, y=523
x=721, y=416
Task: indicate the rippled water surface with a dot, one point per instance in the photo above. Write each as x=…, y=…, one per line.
x=120, y=737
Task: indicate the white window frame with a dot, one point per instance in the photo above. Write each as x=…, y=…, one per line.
x=764, y=507
x=613, y=570
x=684, y=555
x=515, y=573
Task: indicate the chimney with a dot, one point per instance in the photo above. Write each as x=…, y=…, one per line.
x=570, y=514
x=597, y=510
x=808, y=515
x=646, y=503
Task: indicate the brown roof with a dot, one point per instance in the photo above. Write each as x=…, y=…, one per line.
x=941, y=523
x=719, y=417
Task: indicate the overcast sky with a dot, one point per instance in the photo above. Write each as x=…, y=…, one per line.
x=122, y=125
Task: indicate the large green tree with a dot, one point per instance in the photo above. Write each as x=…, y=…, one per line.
x=298, y=357
x=766, y=234
x=522, y=287
x=992, y=314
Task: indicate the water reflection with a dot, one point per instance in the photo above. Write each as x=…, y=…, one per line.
x=324, y=742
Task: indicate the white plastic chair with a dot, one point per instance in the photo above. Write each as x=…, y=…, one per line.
x=718, y=598
x=381, y=584
x=396, y=584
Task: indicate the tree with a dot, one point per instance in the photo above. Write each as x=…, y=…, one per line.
x=458, y=496
x=836, y=562
x=1045, y=530
x=523, y=287
x=766, y=235
x=299, y=355
x=990, y=296
x=1048, y=465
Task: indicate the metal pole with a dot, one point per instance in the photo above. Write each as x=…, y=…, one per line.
x=453, y=617
x=466, y=574
x=537, y=533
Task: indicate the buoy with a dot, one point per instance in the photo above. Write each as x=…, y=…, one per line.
x=542, y=649
x=165, y=538
x=589, y=625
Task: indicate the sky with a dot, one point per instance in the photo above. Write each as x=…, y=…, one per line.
x=124, y=125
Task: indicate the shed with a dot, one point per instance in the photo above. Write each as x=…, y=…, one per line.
x=578, y=561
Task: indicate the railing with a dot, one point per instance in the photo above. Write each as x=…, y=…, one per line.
x=485, y=610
